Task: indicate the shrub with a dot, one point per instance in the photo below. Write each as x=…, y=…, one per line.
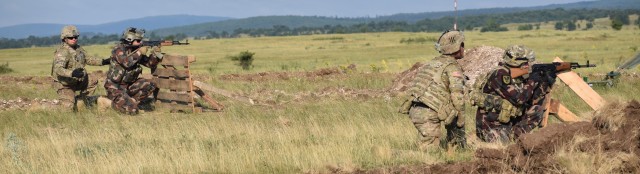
x=244, y=59
x=4, y=68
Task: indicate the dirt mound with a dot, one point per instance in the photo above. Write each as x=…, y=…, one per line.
x=611, y=143
x=266, y=76
x=476, y=61
x=401, y=82
x=479, y=60
x=27, y=79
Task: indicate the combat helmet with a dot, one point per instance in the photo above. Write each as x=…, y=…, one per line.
x=69, y=31
x=450, y=42
x=516, y=55
x=130, y=34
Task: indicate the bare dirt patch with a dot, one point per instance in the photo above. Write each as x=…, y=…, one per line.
x=266, y=76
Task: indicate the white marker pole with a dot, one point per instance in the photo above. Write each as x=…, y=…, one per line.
x=455, y=22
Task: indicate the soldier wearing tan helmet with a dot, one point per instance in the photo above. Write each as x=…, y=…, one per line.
x=68, y=70
x=128, y=92
x=509, y=103
x=437, y=95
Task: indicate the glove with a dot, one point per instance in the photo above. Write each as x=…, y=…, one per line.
x=143, y=50
x=157, y=52
x=78, y=73
x=106, y=61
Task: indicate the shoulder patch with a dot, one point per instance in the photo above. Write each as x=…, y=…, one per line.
x=506, y=79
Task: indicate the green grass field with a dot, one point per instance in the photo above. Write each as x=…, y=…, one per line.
x=313, y=135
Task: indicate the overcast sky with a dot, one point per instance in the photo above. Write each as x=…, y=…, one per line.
x=14, y=12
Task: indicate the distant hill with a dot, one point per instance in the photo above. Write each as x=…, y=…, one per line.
x=148, y=23
x=601, y=4
x=314, y=21
x=259, y=22
x=202, y=25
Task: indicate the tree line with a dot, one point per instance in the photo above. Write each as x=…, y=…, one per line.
x=487, y=23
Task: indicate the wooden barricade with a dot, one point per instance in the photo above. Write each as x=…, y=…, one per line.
x=576, y=84
x=177, y=92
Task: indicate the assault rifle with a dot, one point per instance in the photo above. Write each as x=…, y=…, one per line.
x=163, y=43
x=539, y=71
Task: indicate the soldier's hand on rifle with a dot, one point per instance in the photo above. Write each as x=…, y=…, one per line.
x=157, y=52
x=143, y=50
x=78, y=73
x=106, y=61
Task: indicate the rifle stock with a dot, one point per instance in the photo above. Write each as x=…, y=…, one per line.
x=517, y=72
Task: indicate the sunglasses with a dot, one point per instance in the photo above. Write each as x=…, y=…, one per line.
x=71, y=38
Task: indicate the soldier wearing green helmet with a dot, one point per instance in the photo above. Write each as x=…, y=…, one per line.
x=68, y=70
x=437, y=95
x=509, y=103
x=128, y=92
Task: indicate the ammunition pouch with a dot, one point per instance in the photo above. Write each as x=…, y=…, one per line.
x=508, y=111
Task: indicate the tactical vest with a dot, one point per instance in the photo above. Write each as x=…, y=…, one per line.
x=73, y=59
x=429, y=87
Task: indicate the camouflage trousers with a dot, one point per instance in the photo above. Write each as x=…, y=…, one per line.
x=427, y=123
x=126, y=97
x=529, y=121
x=489, y=129
x=67, y=93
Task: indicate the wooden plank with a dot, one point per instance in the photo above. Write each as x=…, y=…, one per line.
x=575, y=82
x=164, y=72
x=566, y=115
x=225, y=93
x=178, y=85
x=177, y=60
x=545, y=117
x=181, y=97
x=554, y=106
x=214, y=104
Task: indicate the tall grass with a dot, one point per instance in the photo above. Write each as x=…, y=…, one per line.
x=312, y=135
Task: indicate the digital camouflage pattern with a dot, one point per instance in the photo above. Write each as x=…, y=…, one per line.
x=69, y=31
x=450, y=42
x=438, y=95
x=66, y=59
x=123, y=85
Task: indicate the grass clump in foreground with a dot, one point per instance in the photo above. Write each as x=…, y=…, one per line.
x=4, y=68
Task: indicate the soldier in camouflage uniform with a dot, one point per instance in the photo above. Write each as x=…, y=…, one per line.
x=509, y=104
x=437, y=95
x=123, y=86
x=68, y=70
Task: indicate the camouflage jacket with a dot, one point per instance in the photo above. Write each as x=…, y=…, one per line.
x=125, y=64
x=440, y=85
x=518, y=92
x=68, y=58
